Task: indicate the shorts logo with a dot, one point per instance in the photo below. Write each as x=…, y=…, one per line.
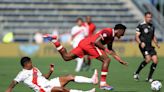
x=146, y=53
x=146, y=30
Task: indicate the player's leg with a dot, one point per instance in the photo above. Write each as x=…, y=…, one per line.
x=66, y=55
x=87, y=63
x=146, y=60
x=141, y=66
x=59, y=89
x=62, y=89
x=79, y=79
x=152, y=67
x=104, y=71
x=79, y=64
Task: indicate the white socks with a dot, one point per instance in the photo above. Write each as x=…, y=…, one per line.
x=79, y=64
x=73, y=90
x=92, y=90
x=81, y=79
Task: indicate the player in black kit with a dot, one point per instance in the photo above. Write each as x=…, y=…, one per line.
x=145, y=35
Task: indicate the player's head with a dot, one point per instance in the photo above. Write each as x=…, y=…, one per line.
x=26, y=63
x=88, y=19
x=148, y=17
x=119, y=30
x=79, y=21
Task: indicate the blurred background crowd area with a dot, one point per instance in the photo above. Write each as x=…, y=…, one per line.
x=27, y=20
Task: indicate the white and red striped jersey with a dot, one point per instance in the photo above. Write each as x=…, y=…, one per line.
x=78, y=33
x=33, y=78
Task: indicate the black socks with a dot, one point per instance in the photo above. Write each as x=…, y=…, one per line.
x=142, y=65
x=152, y=69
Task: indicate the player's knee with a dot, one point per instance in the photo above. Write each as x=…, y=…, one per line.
x=61, y=89
x=67, y=57
x=155, y=61
x=148, y=60
x=70, y=76
x=107, y=60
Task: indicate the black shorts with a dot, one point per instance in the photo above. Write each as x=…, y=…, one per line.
x=148, y=51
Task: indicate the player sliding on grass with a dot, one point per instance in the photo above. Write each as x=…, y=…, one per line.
x=33, y=78
x=94, y=46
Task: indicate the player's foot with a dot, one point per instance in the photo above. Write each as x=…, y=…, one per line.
x=136, y=76
x=50, y=37
x=106, y=87
x=92, y=90
x=95, y=77
x=149, y=80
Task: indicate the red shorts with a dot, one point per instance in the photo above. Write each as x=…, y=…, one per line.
x=87, y=49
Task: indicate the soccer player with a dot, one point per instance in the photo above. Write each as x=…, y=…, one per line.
x=91, y=27
x=94, y=46
x=34, y=79
x=145, y=34
x=78, y=33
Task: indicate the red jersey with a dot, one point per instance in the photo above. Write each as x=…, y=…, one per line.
x=106, y=35
x=91, y=28
x=87, y=47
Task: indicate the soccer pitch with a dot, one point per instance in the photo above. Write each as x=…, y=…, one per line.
x=120, y=77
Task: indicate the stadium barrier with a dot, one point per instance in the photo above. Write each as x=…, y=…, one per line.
x=124, y=49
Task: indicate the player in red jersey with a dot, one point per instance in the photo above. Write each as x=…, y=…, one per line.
x=91, y=29
x=90, y=25
x=94, y=46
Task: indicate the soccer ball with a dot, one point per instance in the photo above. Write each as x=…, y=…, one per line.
x=156, y=85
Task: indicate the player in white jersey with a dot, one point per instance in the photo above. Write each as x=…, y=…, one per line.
x=78, y=33
x=34, y=79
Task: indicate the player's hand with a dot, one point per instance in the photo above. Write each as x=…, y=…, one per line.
x=158, y=46
x=51, y=67
x=108, y=51
x=124, y=63
x=142, y=45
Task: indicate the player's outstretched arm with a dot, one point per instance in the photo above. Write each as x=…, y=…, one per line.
x=116, y=57
x=156, y=41
x=11, y=86
x=50, y=72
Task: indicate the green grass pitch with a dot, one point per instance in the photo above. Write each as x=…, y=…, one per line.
x=120, y=77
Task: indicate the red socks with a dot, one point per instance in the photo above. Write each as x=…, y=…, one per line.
x=104, y=73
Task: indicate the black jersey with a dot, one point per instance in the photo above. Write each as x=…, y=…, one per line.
x=146, y=33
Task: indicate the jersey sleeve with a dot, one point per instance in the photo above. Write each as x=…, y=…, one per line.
x=72, y=31
x=138, y=28
x=20, y=77
x=105, y=34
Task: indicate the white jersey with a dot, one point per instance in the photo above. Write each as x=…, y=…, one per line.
x=78, y=33
x=33, y=78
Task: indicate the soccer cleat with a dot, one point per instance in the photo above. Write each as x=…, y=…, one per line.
x=95, y=77
x=106, y=87
x=136, y=76
x=92, y=90
x=149, y=80
x=50, y=37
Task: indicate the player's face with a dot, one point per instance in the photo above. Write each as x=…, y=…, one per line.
x=79, y=22
x=28, y=65
x=120, y=33
x=148, y=18
x=88, y=19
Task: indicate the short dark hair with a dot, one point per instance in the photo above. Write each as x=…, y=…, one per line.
x=146, y=13
x=120, y=26
x=24, y=60
x=79, y=19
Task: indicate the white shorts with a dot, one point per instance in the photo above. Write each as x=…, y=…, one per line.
x=55, y=82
